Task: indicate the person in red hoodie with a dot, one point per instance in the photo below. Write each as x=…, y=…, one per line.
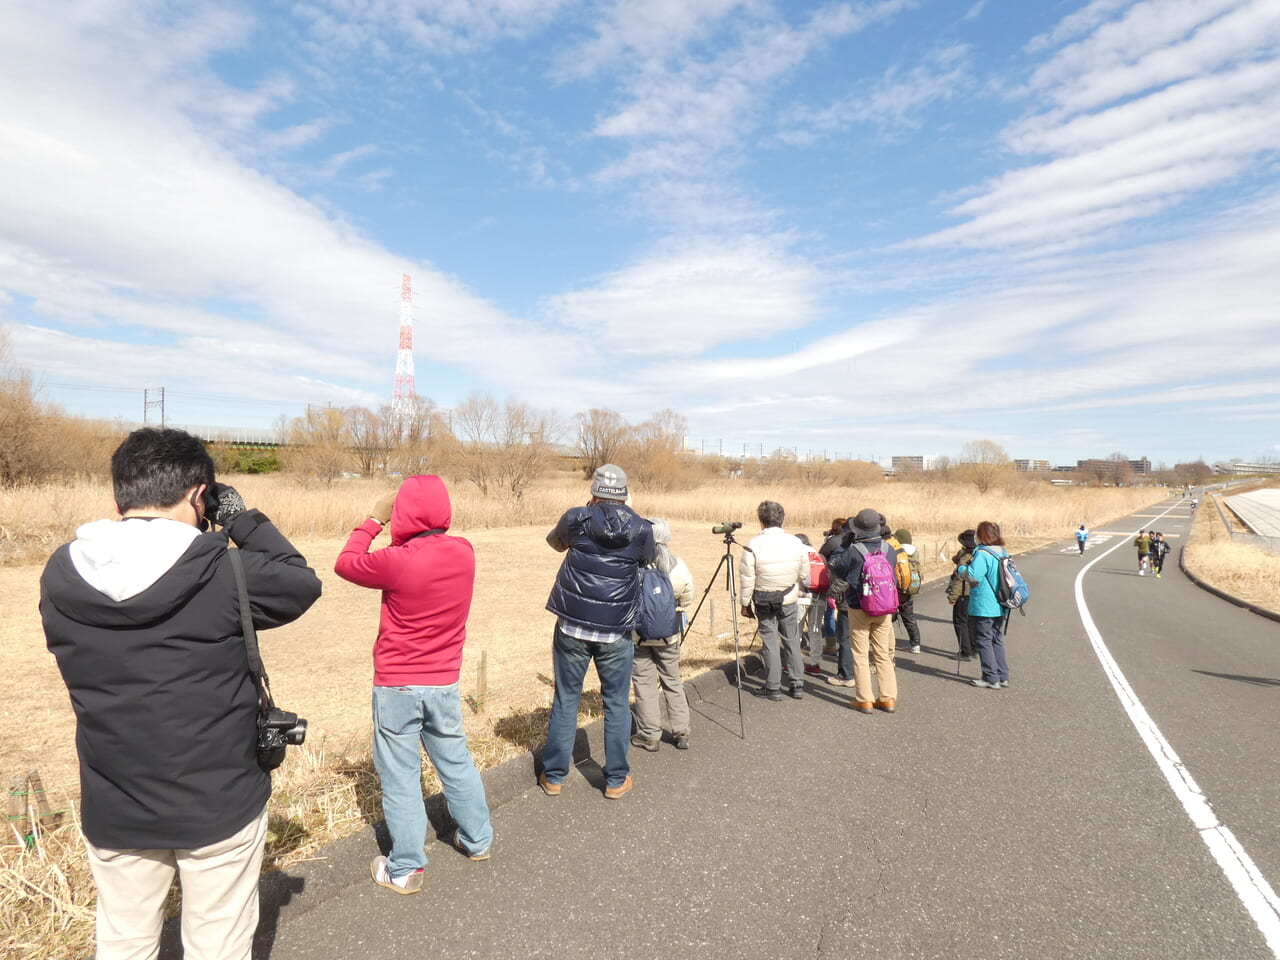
x=426, y=578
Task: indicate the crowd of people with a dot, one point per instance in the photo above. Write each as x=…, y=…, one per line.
x=146, y=617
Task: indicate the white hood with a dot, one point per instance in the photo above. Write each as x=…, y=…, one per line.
x=120, y=559
x=909, y=549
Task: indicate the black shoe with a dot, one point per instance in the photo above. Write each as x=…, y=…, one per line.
x=768, y=694
x=682, y=741
x=797, y=693
x=965, y=656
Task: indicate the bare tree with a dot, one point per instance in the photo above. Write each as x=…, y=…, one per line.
x=655, y=452
x=371, y=436
x=984, y=463
x=1121, y=470
x=601, y=435
x=319, y=444
x=504, y=447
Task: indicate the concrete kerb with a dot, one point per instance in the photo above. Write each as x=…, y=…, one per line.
x=1222, y=594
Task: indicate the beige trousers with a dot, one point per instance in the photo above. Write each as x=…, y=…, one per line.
x=219, y=897
x=874, y=634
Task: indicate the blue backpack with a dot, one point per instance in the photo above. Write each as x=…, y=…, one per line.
x=659, y=618
x=1011, y=588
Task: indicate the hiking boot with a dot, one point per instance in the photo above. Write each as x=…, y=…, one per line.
x=409, y=883
x=457, y=845
x=839, y=681
x=813, y=670
x=862, y=706
x=797, y=693
x=613, y=793
x=549, y=788
x=643, y=744
x=775, y=694
x=682, y=741
x=983, y=683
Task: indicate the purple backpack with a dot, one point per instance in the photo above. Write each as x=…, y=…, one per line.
x=877, y=587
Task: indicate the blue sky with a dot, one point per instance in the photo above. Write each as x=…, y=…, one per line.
x=875, y=228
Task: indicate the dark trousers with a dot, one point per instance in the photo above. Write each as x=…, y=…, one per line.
x=907, y=614
x=988, y=637
x=844, y=652
x=964, y=630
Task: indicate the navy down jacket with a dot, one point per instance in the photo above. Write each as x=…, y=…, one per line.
x=598, y=585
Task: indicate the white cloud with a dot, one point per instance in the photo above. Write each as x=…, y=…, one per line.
x=685, y=115
x=693, y=296
x=445, y=28
x=129, y=207
x=1201, y=112
x=894, y=102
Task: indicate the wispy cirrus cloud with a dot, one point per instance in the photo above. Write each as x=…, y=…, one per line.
x=1167, y=100
x=893, y=103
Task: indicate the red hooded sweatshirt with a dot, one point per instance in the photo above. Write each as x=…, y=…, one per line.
x=426, y=578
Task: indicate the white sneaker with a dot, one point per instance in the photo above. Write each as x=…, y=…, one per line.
x=409, y=883
x=1142, y=573
x=839, y=681
x=915, y=648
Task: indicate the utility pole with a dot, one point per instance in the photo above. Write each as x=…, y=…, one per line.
x=152, y=399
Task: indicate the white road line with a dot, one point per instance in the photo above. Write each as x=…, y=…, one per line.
x=1250, y=885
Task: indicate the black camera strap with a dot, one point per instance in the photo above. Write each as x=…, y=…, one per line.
x=246, y=627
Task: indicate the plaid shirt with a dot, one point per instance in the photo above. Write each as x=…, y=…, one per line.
x=590, y=634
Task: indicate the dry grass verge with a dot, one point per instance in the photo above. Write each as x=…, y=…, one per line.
x=1242, y=570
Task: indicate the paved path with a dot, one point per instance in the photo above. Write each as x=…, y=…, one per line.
x=1030, y=822
x=1260, y=510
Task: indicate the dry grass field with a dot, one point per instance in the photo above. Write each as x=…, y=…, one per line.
x=1240, y=569
x=321, y=666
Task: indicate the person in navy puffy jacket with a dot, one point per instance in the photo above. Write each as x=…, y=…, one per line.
x=596, y=600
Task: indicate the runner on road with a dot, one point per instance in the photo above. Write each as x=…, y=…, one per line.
x=1143, y=543
x=1159, y=550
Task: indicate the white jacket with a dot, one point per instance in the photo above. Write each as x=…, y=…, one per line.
x=774, y=560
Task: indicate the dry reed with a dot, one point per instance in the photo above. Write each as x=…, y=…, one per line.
x=1236, y=568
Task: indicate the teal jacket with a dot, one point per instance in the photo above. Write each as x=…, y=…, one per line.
x=981, y=572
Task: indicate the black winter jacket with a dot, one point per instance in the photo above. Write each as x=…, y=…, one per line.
x=846, y=563
x=166, y=708
x=598, y=585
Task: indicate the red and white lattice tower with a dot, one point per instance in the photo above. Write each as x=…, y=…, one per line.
x=405, y=395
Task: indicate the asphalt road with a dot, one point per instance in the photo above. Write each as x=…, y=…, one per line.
x=1028, y=822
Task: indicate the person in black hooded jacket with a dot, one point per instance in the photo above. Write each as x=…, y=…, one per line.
x=143, y=618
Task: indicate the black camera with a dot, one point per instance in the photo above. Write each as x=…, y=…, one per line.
x=727, y=527
x=277, y=729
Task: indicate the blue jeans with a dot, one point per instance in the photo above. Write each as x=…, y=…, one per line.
x=403, y=717
x=987, y=638
x=570, y=658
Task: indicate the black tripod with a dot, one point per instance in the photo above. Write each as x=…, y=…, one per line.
x=726, y=562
